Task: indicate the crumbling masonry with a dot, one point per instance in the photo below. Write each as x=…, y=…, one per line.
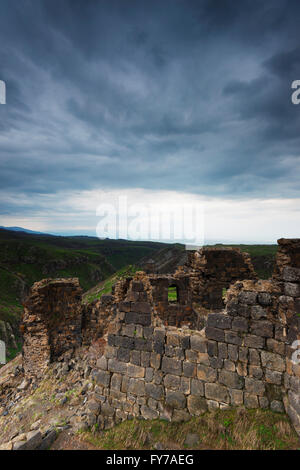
x=246, y=355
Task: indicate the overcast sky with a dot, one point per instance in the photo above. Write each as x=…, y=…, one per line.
x=172, y=100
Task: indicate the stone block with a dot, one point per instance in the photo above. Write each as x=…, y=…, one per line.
x=219, y=320
x=264, y=299
x=215, y=334
x=262, y=328
x=233, y=352
x=291, y=289
x=258, y=312
x=171, y=366
x=135, y=371
x=101, y=377
x=116, y=381
x=136, y=387
x=254, y=357
x=145, y=358
x=117, y=366
x=212, y=348
x=207, y=374
x=141, y=307
x=217, y=392
x=253, y=341
x=154, y=391
x=255, y=387
x=197, y=387
x=172, y=382
x=276, y=346
x=247, y=297
x=273, y=377
x=102, y=363
x=185, y=385
x=231, y=379
x=251, y=401
x=198, y=343
x=236, y=397
x=142, y=344
x=256, y=372
x=149, y=413
x=240, y=324
x=135, y=357
x=233, y=337
x=196, y=405
x=155, y=360
x=229, y=365
x=189, y=369
x=123, y=355
x=222, y=350
x=272, y=361
x=175, y=399
x=191, y=356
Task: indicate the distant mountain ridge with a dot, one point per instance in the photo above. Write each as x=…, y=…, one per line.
x=21, y=229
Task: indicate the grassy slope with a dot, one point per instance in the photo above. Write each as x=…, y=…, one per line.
x=105, y=287
x=26, y=258
x=223, y=429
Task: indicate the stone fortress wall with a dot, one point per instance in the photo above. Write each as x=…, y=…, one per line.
x=157, y=364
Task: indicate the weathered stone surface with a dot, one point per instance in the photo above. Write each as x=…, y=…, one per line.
x=215, y=333
x=136, y=387
x=196, y=405
x=34, y=440
x=219, y=320
x=171, y=366
x=250, y=401
x=197, y=387
x=253, y=341
x=255, y=387
x=262, y=328
x=175, y=399
x=198, y=343
x=240, y=324
x=135, y=371
x=149, y=413
x=248, y=298
x=272, y=361
x=233, y=338
x=231, y=379
x=154, y=391
x=258, y=312
x=207, y=374
x=101, y=377
x=189, y=369
x=217, y=392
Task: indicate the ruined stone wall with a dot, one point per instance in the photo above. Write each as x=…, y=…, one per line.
x=211, y=269
x=242, y=358
x=51, y=322
x=96, y=317
x=173, y=313
x=244, y=355
x=287, y=273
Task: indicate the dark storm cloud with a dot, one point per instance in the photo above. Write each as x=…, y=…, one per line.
x=184, y=95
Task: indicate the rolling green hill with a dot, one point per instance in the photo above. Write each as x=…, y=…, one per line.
x=27, y=257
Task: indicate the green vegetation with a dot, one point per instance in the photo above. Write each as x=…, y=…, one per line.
x=172, y=294
x=222, y=429
x=27, y=258
x=105, y=287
